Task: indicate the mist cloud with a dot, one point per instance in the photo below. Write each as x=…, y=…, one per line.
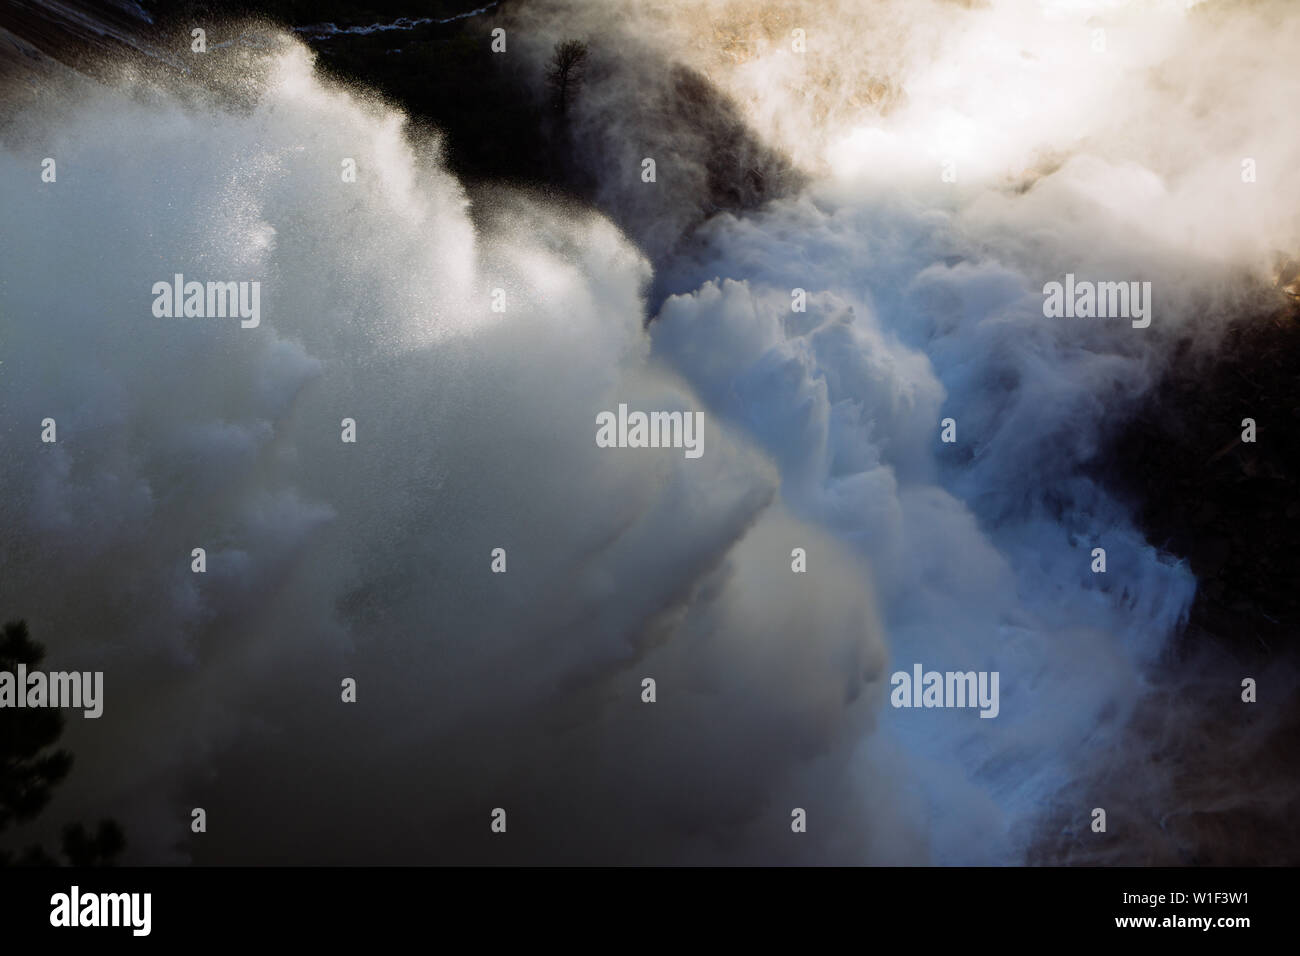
x=476, y=431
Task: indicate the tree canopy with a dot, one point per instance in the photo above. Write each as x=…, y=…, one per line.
x=30, y=768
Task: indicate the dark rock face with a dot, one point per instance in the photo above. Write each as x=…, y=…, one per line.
x=1228, y=506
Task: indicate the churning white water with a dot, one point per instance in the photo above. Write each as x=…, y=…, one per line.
x=475, y=431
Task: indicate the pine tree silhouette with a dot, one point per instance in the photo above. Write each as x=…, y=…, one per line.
x=30, y=769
